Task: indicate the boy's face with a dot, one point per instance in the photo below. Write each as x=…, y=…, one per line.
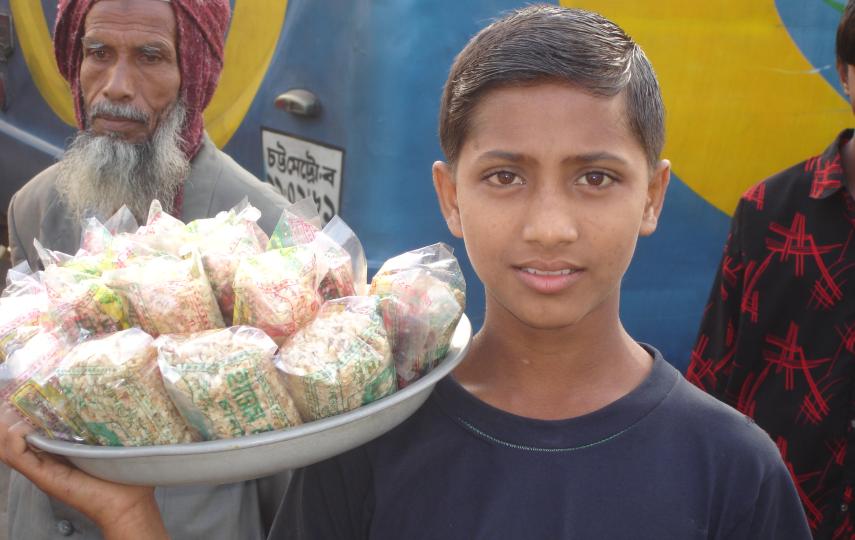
x=550, y=193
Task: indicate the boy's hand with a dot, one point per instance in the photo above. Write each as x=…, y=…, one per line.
x=121, y=511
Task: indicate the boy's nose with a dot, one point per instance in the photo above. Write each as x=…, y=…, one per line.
x=550, y=219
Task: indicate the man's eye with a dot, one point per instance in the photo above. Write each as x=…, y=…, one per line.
x=595, y=179
x=505, y=178
x=98, y=54
x=151, y=58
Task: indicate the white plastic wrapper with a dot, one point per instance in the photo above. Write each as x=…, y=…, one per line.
x=424, y=295
x=164, y=233
x=298, y=225
x=23, y=383
x=349, y=251
x=116, y=241
x=277, y=291
x=97, y=237
x=223, y=241
x=23, y=304
x=80, y=301
x=165, y=294
x=224, y=382
x=337, y=246
x=113, y=385
x=340, y=361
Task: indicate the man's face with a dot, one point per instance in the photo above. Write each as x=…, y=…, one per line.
x=130, y=59
x=550, y=193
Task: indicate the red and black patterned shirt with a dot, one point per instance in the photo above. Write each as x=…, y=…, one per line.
x=777, y=340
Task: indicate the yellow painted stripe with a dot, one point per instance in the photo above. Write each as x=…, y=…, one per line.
x=36, y=45
x=742, y=101
x=252, y=39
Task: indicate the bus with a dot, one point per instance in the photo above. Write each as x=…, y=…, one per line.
x=338, y=101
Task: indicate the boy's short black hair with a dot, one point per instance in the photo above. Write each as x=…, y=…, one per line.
x=846, y=35
x=542, y=43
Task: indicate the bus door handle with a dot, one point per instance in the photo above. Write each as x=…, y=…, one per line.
x=300, y=102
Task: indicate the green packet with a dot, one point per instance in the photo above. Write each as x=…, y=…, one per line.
x=113, y=387
x=46, y=409
x=224, y=382
x=341, y=360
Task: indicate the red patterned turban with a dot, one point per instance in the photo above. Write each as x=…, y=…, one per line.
x=202, y=28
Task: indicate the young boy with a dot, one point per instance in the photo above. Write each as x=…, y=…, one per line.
x=557, y=424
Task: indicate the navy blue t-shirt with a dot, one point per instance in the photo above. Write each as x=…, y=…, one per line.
x=666, y=461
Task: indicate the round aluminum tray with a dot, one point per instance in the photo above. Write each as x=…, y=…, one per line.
x=244, y=458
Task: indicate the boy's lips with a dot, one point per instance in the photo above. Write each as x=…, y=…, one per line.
x=548, y=278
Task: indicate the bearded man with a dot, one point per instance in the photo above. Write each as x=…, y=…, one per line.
x=141, y=73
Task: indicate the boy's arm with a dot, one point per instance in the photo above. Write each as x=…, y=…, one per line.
x=331, y=499
x=776, y=514
x=715, y=348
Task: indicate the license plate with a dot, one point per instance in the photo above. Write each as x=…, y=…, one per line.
x=300, y=168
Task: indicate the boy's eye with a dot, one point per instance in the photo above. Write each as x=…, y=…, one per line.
x=505, y=178
x=595, y=179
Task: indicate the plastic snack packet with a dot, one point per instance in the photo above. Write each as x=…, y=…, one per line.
x=164, y=233
x=338, y=281
x=340, y=361
x=116, y=240
x=165, y=294
x=22, y=383
x=298, y=225
x=23, y=303
x=337, y=246
x=424, y=295
x=80, y=302
x=224, y=382
x=346, y=249
x=15, y=337
x=276, y=291
x=223, y=241
x=114, y=387
x=96, y=237
x=21, y=280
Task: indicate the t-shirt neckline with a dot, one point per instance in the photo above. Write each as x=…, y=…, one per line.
x=504, y=429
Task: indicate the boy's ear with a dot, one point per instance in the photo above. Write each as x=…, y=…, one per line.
x=843, y=73
x=446, y=193
x=655, y=197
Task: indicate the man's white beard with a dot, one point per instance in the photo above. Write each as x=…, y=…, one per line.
x=100, y=173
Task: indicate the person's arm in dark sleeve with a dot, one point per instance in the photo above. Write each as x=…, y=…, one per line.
x=712, y=357
x=331, y=500
x=776, y=514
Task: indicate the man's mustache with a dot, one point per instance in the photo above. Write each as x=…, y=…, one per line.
x=121, y=111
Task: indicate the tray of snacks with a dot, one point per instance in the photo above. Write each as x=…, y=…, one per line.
x=232, y=460
x=208, y=352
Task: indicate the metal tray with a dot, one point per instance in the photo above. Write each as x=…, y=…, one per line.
x=244, y=458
